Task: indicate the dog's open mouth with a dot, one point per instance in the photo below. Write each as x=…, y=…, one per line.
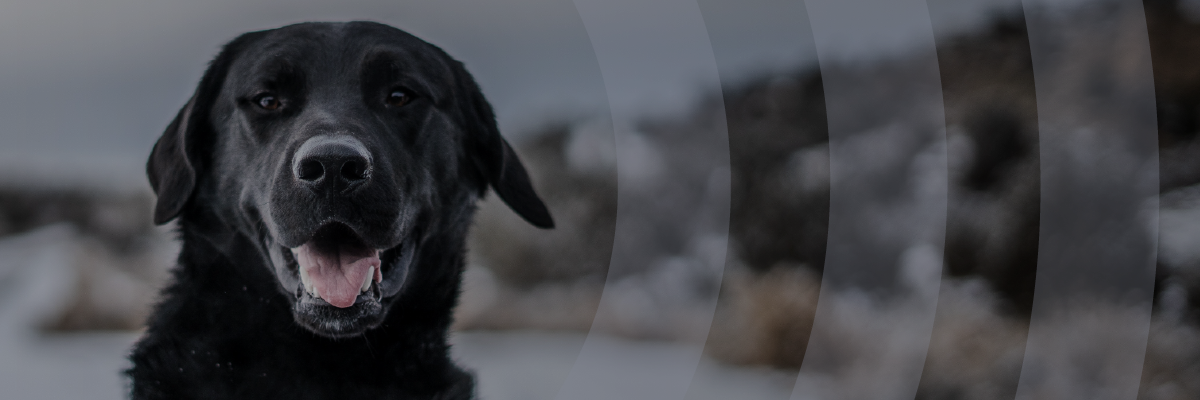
x=339, y=282
x=337, y=266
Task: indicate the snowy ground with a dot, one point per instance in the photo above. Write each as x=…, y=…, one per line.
x=509, y=365
x=33, y=279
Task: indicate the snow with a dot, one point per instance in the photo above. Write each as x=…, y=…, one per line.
x=58, y=366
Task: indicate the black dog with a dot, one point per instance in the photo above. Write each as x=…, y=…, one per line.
x=324, y=176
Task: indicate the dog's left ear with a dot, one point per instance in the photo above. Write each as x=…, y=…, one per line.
x=494, y=158
x=177, y=157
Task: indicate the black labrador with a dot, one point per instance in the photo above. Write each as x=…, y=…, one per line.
x=324, y=176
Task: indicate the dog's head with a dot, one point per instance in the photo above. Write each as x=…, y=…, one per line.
x=340, y=149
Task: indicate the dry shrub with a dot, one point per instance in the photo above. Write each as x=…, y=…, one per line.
x=765, y=319
x=974, y=353
x=113, y=290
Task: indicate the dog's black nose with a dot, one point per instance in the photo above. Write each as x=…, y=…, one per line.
x=332, y=161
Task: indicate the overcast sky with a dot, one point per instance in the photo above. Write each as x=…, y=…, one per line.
x=87, y=85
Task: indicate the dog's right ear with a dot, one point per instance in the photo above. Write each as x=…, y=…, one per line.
x=178, y=157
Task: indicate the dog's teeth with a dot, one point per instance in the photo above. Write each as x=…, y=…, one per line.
x=304, y=279
x=367, y=280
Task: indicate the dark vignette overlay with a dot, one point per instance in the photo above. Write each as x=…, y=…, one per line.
x=1098, y=226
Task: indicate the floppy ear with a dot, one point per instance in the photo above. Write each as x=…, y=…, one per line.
x=177, y=157
x=171, y=171
x=495, y=159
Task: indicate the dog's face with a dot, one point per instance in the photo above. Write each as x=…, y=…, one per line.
x=339, y=150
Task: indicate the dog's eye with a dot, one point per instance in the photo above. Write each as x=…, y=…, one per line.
x=398, y=98
x=268, y=102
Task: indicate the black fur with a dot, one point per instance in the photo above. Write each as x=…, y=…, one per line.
x=235, y=323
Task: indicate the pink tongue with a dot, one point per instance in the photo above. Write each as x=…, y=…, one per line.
x=337, y=274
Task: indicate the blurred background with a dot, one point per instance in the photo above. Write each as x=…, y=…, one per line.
x=1000, y=203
